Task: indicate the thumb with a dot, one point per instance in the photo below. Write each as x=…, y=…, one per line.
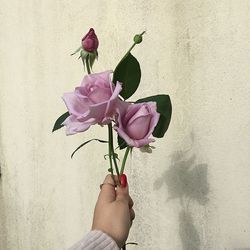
x=122, y=191
x=107, y=193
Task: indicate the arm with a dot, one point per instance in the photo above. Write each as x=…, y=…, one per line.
x=95, y=240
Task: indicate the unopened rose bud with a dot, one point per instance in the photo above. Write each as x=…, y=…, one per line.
x=136, y=122
x=90, y=41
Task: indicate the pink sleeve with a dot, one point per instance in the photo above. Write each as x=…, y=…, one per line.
x=95, y=240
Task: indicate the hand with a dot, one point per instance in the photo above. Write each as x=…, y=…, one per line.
x=113, y=212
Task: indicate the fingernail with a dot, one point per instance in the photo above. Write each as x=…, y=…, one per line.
x=123, y=179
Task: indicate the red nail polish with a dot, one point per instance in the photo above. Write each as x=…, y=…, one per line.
x=123, y=179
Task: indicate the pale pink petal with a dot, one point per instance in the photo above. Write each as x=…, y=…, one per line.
x=154, y=119
x=100, y=95
x=76, y=105
x=143, y=111
x=111, y=105
x=103, y=76
x=131, y=111
x=138, y=129
x=73, y=126
x=131, y=142
x=97, y=111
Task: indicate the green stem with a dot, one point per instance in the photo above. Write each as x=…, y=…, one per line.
x=112, y=151
x=131, y=47
x=124, y=159
x=110, y=160
x=87, y=65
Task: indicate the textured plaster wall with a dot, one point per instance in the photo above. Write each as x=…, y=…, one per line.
x=193, y=192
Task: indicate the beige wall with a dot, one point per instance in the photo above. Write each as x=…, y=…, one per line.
x=193, y=192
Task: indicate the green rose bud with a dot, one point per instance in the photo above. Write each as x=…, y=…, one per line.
x=138, y=38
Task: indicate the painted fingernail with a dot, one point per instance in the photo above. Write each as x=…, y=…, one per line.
x=123, y=179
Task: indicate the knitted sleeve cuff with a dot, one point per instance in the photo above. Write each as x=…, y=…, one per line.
x=95, y=240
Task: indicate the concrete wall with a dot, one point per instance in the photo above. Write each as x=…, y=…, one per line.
x=193, y=192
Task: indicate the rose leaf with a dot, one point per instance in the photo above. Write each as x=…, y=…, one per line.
x=59, y=121
x=128, y=72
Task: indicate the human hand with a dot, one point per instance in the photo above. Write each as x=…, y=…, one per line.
x=113, y=212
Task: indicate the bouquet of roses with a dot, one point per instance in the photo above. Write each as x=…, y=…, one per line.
x=102, y=98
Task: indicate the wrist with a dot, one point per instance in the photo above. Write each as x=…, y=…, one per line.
x=103, y=239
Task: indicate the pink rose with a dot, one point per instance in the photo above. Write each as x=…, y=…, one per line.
x=93, y=102
x=136, y=122
x=90, y=41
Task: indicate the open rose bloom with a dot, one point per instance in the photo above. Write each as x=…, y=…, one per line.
x=97, y=101
x=136, y=123
x=93, y=102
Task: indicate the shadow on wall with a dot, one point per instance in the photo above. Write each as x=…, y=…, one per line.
x=187, y=182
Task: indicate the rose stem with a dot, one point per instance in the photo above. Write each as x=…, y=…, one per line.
x=124, y=159
x=87, y=64
x=110, y=158
x=132, y=47
x=112, y=150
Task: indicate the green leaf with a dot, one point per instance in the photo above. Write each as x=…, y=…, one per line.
x=102, y=141
x=164, y=107
x=128, y=72
x=76, y=51
x=122, y=144
x=59, y=121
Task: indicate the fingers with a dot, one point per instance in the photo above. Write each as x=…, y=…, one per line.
x=132, y=214
x=107, y=193
x=130, y=203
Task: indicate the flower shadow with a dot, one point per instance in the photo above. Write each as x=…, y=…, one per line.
x=187, y=182
x=188, y=233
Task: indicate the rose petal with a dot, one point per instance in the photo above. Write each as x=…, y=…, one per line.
x=76, y=104
x=154, y=119
x=100, y=95
x=138, y=129
x=130, y=141
x=143, y=111
x=97, y=111
x=111, y=105
x=73, y=126
x=103, y=77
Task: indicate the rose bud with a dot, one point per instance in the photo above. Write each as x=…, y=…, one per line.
x=94, y=102
x=138, y=38
x=136, y=122
x=90, y=41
